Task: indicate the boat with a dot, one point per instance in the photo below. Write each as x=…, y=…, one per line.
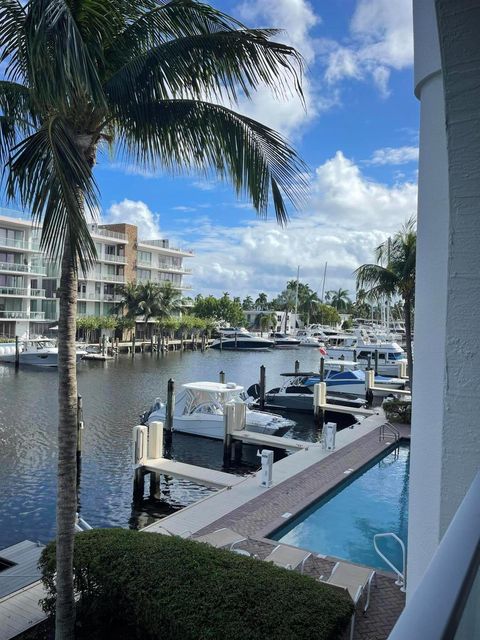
x=342, y=378
x=283, y=340
x=353, y=347
x=295, y=395
x=39, y=352
x=240, y=339
x=310, y=341
x=200, y=406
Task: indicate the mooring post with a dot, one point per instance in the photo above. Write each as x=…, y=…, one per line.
x=354, y=355
x=297, y=366
x=369, y=362
x=140, y=456
x=228, y=419
x=133, y=345
x=319, y=401
x=221, y=377
x=376, y=362
x=322, y=369
x=17, y=353
x=169, y=409
x=369, y=382
x=262, y=388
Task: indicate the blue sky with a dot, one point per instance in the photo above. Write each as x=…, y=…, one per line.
x=358, y=136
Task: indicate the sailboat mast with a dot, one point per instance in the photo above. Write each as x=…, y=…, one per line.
x=296, y=293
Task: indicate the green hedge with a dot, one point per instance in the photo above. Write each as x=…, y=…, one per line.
x=398, y=411
x=150, y=586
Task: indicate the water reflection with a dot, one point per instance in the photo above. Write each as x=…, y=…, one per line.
x=114, y=394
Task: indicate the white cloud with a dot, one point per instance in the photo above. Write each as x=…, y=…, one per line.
x=392, y=155
x=381, y=39
x=135, y=212
x=204, y=185
x=348, y=216
x=183, y=208
x=297, y=19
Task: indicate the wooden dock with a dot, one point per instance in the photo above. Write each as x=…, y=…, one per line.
x=359, y=411
x=199, y=475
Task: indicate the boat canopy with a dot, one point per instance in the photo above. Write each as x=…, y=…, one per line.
x=213, y=387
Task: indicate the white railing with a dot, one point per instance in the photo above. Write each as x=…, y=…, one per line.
x=24, y=245
x=144, y=263
x=23, y=268
x=107, y=233
x=164, y=266
x=23, y=315
x=112, y=258
x=107, y=277
x=400, y=581
x=17, y=291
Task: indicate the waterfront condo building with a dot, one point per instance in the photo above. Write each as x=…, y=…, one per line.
x=28, y=282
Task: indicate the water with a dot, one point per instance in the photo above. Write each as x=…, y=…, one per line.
x=343, y=524
x=114, y=394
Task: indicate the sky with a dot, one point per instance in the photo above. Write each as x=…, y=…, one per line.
x=358, y=135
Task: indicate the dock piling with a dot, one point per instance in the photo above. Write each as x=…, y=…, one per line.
x=228, y=420
x=17, y=353
x=322, y=369
x=376, y=362
x=261, y=399
x=297, y=366
x=133, y=345
x=170, y=409
x=319, y=400
x=369, y=383
x=354, y=355
x=221, y=377
x=155, y=440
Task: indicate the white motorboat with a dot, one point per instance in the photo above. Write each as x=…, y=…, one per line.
x=390, y=354
x=341, y=376
x=241, y=340
x=310, y=341
x=283, y=340
x=200, y=406
x=38, y=352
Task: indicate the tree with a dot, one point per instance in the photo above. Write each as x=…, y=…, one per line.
x=261, y=303
x=325, y=314
x=145, y=78
x=150, y=300
x=309, y=301
x=266, y=321
x=338, y=299
x=396, y=278
x=247, y=303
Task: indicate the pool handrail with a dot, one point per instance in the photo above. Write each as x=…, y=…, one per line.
x=401, y=575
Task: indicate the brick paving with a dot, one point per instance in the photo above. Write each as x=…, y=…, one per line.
x=262, y=515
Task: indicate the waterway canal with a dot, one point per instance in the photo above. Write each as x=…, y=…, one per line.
x=114, y=394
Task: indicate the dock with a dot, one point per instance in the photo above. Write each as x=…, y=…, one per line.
x=199, y=475
x=339, y=408
x=20, y=589
x=263, y=439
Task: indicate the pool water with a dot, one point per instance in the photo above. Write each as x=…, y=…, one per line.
x=342, y=524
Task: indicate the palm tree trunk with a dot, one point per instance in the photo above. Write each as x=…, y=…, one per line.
x=407, y=310
x=67, y=449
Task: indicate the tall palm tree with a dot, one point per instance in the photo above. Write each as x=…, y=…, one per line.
x=128, y=303
x=309, y=302
x=266, y=321
x=157, y=301
x=338, y=299
x=396, y=278
x=144, y=78
x=261, y=303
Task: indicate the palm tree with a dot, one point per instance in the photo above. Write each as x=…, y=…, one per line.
x=309, y=302
x=266, y=321
x=157, y=301
x=261, y=303
x=144, y=78
x=128, y=303
x=247, y=303
x=338, y=299
x=396, y=278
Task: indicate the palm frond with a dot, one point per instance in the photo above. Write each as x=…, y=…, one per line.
x=50, y=176
x=12, y=39
x=198, y=135
x=17, y=117
x=60, y=67
x=158, y=21
x=376, y=280
x=211, y=66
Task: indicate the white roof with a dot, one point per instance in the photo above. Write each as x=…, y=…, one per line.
x=216, y=387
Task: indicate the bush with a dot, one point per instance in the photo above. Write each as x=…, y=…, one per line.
x=149, y=586
x=398, y=411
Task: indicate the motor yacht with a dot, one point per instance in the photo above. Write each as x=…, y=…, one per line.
x=283, y=340
x=200, y=406
x=238, y=339
x=38, y=352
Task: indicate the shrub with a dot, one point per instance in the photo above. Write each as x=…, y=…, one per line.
x=149, y=586
x=398, y=411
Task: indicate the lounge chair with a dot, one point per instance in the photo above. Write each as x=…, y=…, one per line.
x=355, y=580
x=222, y=538
x=288, y=557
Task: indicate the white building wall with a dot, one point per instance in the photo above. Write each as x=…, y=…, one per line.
x=445, y=442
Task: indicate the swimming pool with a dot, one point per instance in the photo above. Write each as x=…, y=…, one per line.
x=342, y=524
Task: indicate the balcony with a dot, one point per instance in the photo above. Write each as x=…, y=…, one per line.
x=164, y=266
x=144, y=263
x=13, y=267
x=164, y=245
x=107, y=277
x=107, y=233
x=22, y=292
x=111, y=258
x=20, y=245
x=23, y=315
x=100, y=297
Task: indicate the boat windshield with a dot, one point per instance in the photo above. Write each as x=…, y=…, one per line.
x=40, y=344
x=211, y=402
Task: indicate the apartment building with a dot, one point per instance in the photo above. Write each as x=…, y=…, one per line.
x=28, y=282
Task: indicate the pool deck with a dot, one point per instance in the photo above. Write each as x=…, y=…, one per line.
x=298, y=480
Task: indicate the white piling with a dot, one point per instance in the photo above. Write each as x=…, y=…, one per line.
x=140, y=444
x=155, y=440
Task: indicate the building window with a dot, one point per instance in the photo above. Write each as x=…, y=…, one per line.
x=7, y=329
x=81, y=308
x=97, y=308
x=144, y=274
x=108, y=308
x=145, y=257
